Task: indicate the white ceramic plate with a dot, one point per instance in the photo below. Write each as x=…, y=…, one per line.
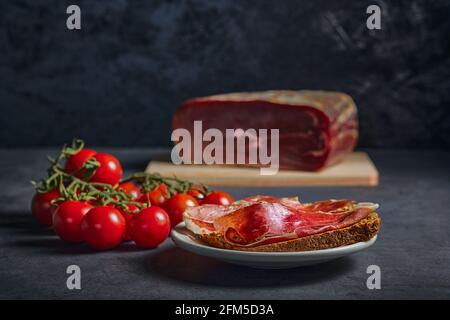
x=266, y=260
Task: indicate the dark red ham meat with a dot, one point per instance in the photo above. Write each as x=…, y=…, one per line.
x=316, y=128
x=263, y=219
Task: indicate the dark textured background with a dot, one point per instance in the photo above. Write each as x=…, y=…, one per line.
x=119, y=79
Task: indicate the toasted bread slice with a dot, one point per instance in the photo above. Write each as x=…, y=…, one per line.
x=363, y=230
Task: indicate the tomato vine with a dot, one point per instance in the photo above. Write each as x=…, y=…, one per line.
x=71, y=187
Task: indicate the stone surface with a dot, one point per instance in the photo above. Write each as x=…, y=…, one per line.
x=118, y=80
x=413, y=248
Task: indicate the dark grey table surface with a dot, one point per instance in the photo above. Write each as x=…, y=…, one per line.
x=412, y=250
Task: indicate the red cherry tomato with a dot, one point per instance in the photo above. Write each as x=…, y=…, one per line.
x=131, y=189
x=176, y=205
x=67, y=220
x=150, y=227
x=103, y=228
x=218, y=197
x=128, y=215
x=157, y=196
x=196, y=193
x=75, y=163
x=110, y=170
x=164, y=190
x=154, y=197
x=41, y=206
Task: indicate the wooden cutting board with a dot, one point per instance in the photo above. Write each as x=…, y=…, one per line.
x=356, y=169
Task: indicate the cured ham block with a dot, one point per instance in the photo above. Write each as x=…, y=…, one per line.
x=316, y=128
x=263, y=220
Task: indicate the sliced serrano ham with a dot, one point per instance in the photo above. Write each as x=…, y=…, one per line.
x=262, y=220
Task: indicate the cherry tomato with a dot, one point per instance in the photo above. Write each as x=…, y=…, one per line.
x=150, y=227
x=218, y=197
x=67, y=220
x=75, y=163
x=110, y=170
x=157, y=196
x=103, y=228
x=164, y=190
x=42, y=208
x=154, y=197
x=131, y=189
x=196, y=193
x=128, y=215
x=176, y=205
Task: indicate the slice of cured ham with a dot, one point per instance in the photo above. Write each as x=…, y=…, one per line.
x=263, y=219
x=316, y=128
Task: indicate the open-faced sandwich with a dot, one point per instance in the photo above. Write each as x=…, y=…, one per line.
x=265, y=223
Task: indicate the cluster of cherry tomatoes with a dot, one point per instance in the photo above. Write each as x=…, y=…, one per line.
x=72, y=200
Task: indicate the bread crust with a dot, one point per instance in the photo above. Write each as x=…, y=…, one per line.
x=361, y=231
